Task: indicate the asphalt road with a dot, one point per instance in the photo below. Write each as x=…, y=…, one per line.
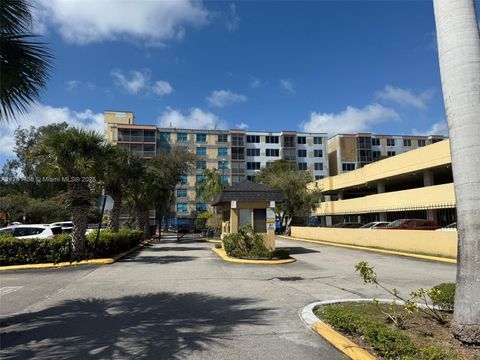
x=180, y=301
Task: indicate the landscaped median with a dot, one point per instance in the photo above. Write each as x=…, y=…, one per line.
x=220, y=252
x=17, y=254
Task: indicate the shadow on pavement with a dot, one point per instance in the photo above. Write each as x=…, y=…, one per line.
x=176, y=248
x=298, y=250
x=168, y=259
x=153, y=326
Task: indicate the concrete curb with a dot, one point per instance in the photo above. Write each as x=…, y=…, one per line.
x=223, y=255
x=215, y=241
x=380, y=251
x=104, y=261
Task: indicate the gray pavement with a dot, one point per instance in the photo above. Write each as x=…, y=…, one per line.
x=179, y=300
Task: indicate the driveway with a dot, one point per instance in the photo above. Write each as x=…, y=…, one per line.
x=179, y=300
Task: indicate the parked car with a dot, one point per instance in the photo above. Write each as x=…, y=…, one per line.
x=39, y=231
x=67, y=226
x=349, y=225
x=375, y=224
x=412, y=224
x=450, y=227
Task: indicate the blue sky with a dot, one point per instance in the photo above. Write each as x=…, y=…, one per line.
x=324, y=66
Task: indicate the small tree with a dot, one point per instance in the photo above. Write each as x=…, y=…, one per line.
x=211, y=185
x=298, y=200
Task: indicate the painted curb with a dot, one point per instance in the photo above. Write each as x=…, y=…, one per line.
x=215, y=241
x=104, y=261
x=381, y=251
x=223, y=255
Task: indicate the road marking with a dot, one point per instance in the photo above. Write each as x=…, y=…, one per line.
x=4, y=290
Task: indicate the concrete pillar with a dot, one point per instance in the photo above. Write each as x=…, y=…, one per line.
x=327, y=220
x=428, y=180
x=380, y=190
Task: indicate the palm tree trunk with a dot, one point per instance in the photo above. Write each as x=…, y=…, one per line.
x=459, y=56
x=142, y=218
x=114, y=219
x=79, y=203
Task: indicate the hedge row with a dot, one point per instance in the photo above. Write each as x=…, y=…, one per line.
x=15, y=251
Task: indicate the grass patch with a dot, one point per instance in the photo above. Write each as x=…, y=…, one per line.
x=422, y=338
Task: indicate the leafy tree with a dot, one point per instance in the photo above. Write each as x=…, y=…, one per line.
x=75, y=156
x=211, y=185
x=298, y=200
x=24, y=63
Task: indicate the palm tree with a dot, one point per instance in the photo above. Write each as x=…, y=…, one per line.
x=459, y=56
x=24, y=63
x=211, y=185
x=75, y=156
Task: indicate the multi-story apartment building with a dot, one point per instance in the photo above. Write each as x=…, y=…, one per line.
x=237, y=154
x=347, y=152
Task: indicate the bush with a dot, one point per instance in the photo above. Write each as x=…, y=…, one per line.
x=390, y=343
x=443, y=296
x=245, y=244
x=218, y=246
x=346, y=321
x=14, y=251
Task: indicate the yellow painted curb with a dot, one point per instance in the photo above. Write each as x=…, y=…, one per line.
x=215, y=241
x=346, y=346
x=225, y=257
x=381, y=251
x=104, y=261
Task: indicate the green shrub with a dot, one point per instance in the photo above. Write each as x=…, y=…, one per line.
x=389, y=343
x=14, y=251
x=218, y=246
x=443, y=296
x=346, y=321
x=434, y=353
x=245, y=244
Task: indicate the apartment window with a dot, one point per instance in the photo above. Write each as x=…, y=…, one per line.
x=201, y=138
x=222, y=165
x=317, y=153
x=407, y=142
x=165, y=136
x=289, y=154
x=237, y=178
x=201, y=207
x=201, y=151
x=238, y=140
x=421, y=142
x=271, y=139
x=250, y=177
x=375, y=142
x=148, y=136
x=181, y=137
x=301, y=140
x=201, y=165
x=318, y=166
x=181, y=193
x=272, y=152
x=200, y=178
x=376, y=154
x=222, y=151
x=317, y=140
x=390, y=153
x=302, y=153
x=253, y=139
x=253, y=166
x=183, y=179
x=289, y=141
x=224, y=179
x=348, y=166
x=182, y=207
x=253, y=152
x=302, y=166
x=390, y=142
x=319, y=177
x=223, y=138
x=238, y=153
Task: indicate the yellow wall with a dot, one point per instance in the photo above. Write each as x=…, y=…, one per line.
x=430, y=156
x=440, y=243
x=430, y=196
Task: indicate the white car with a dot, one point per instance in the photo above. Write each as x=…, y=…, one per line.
x=374, y=225
x=39, y=231
x=450, y=227
x=67, y=226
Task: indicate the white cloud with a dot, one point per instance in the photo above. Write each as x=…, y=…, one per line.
x=153, y=22
x=232, y=20
x=405, y=97
x=72, y=84
x=241, y=126
x=350, y=120
x=222, y=98
x=438, y=128
x=41, y=115
x=287, y=85
x=137, y=81
x=255, y=82
x=162, y=88
x=195, y=119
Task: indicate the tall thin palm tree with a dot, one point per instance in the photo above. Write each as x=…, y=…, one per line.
x=458, y=41
x=24, y=62
x=75, y=156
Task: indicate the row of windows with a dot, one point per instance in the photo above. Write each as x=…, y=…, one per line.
x=199, y=178
x=220, y=151
x=391, y=142
x=200, y=137
x=183, y=207
x=222, y=165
